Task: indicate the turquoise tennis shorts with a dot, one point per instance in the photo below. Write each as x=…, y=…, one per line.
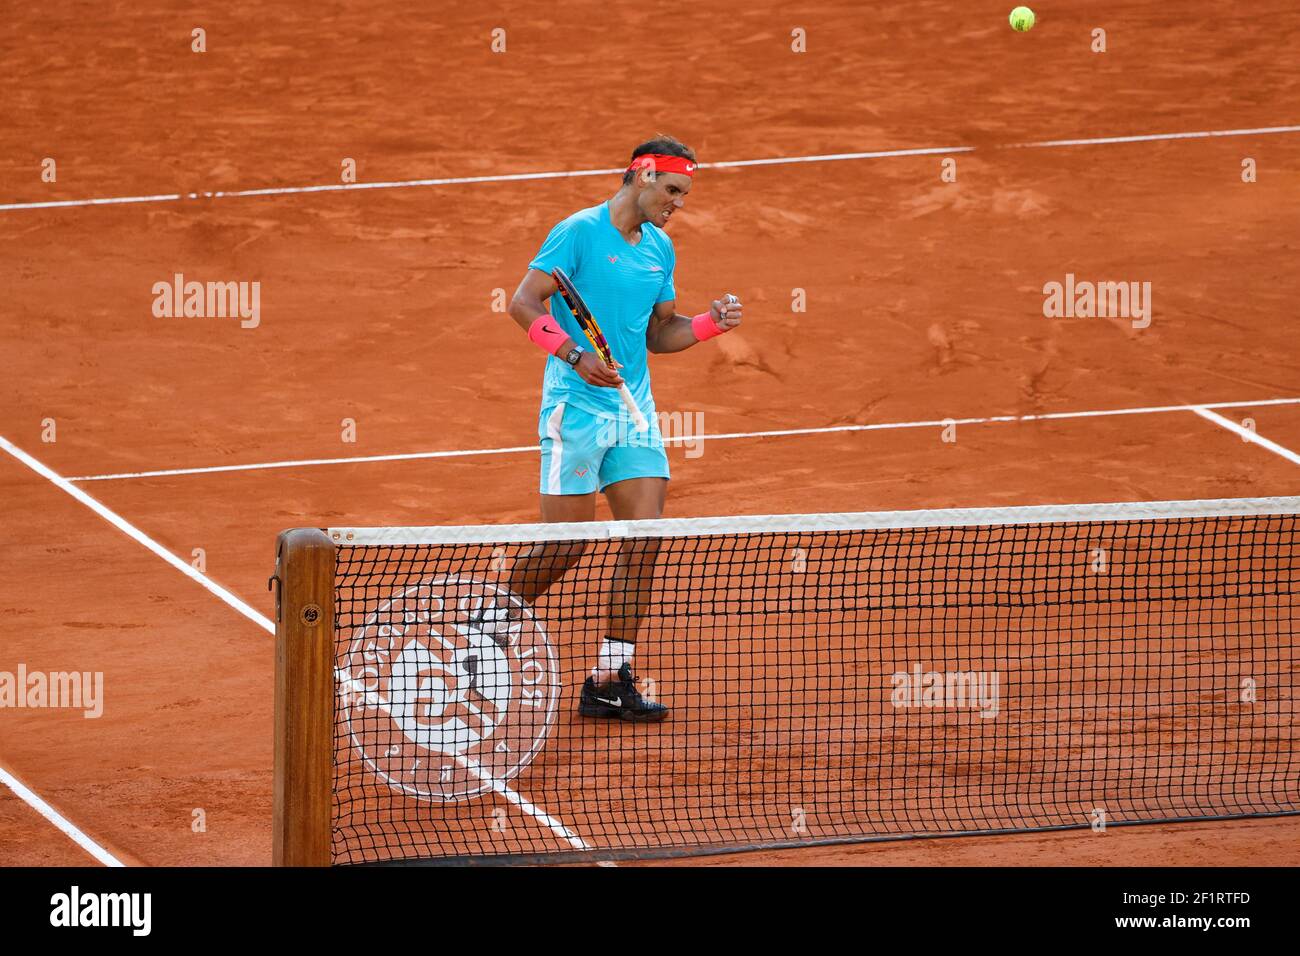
x=584, y=451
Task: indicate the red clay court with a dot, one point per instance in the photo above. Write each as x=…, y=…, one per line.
x=150, y=462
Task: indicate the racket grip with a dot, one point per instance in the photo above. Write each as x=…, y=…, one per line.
x=637, y=418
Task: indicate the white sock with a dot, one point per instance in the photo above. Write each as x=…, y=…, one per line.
x=613, y=655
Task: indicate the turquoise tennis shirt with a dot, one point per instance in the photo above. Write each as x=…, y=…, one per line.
x=621, y=284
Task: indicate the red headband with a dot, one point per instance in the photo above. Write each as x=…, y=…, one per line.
x=664, y=164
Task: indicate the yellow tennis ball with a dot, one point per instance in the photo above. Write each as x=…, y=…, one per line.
x=1022, y=19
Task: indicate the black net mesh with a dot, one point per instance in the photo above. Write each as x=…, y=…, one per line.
x=829, y=686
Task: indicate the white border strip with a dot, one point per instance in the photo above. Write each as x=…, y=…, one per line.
x=1158, y=137
x=565, y=174
x=1248, y=435
x=541, y=816
x=496, y=784
x=519, y=449
x=37, y=803
x=257, y=618
x=846, y=521
x=311, y=462
x=131, y=531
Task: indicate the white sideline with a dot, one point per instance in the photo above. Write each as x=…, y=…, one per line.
x=1247, y=434
x=374, y=700
x=260, y=619
x=131, y=531
x=37, y=803
x=305, y=462
x=513, y=796
x=517, y=449
x=564, y=174
x=1158, y=137
x=24, y=793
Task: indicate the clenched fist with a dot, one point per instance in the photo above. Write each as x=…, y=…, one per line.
x=727, y=312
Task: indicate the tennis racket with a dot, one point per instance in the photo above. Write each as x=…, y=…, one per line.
x=587, y=322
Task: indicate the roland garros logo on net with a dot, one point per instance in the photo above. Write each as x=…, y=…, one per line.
x=440, y=704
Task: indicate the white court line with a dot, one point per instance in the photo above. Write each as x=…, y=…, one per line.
x=112, y=201
x=837, y=157
x=725, y=436
x=37, y=803
x=1158, y=137
x=310, y=461
x=127, y=528
x=131, y=531
x=135, y=533
x=555, y=826
x=565, y=174
x=1247, y=434
x=375, y=701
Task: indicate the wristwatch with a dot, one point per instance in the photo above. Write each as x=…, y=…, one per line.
x=575, y=353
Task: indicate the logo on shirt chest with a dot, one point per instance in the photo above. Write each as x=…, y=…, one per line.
x=613, y=260
x=635, y=275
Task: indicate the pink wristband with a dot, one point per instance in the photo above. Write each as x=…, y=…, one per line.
x=704, y=327
x=548, y=335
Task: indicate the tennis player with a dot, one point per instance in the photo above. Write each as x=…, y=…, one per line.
x=622, y=263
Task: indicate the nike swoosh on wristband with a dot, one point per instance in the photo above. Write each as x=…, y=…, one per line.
x=547, y=328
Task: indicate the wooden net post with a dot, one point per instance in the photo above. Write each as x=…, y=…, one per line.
x=304, y=697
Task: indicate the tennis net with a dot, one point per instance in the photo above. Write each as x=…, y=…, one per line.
x=831, y=678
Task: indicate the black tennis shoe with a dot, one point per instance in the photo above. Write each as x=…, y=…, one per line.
x=618, y=698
